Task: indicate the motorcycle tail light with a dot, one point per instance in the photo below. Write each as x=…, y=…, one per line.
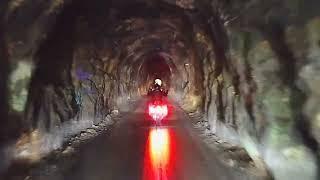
x=158, y=112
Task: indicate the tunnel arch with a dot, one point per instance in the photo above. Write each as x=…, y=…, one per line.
x=152, y=66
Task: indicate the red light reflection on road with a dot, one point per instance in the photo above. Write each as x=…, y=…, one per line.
x=158, y=160
x=159, y=147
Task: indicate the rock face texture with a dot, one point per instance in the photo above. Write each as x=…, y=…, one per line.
x=251, y=67
x=258, y=93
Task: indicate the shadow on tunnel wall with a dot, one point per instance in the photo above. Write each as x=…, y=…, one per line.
x=4, y=71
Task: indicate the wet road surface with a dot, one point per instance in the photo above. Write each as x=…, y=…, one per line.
x=136, y=149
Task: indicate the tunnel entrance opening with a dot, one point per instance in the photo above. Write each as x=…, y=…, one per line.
x=155, y=67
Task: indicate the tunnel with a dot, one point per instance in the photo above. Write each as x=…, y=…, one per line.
x=242, y=80
x=155, y=67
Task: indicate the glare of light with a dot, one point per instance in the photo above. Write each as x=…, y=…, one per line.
x=159, y=147
x=158, y=112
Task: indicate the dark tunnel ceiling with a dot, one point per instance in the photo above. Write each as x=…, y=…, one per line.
x=157, y=66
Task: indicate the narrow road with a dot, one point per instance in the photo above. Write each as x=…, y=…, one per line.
x=137, y=150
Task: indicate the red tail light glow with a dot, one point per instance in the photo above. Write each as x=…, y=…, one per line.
x=158, y=111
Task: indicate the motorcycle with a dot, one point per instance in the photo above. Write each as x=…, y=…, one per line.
x=157, y=106
x=158, y=111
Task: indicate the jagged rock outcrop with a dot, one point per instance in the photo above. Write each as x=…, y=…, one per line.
x=257, y=94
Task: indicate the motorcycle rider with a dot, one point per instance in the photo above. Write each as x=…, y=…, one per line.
x=158, y=84
x=157, y=87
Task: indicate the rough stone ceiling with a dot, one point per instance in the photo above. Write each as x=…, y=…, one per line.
x=135, y=32
x=245, y=14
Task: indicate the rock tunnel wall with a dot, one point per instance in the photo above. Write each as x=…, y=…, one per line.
x=131, y=42
x=260, y=85
x=76, y=62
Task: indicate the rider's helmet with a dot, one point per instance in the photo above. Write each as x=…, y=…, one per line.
x=158, y=82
